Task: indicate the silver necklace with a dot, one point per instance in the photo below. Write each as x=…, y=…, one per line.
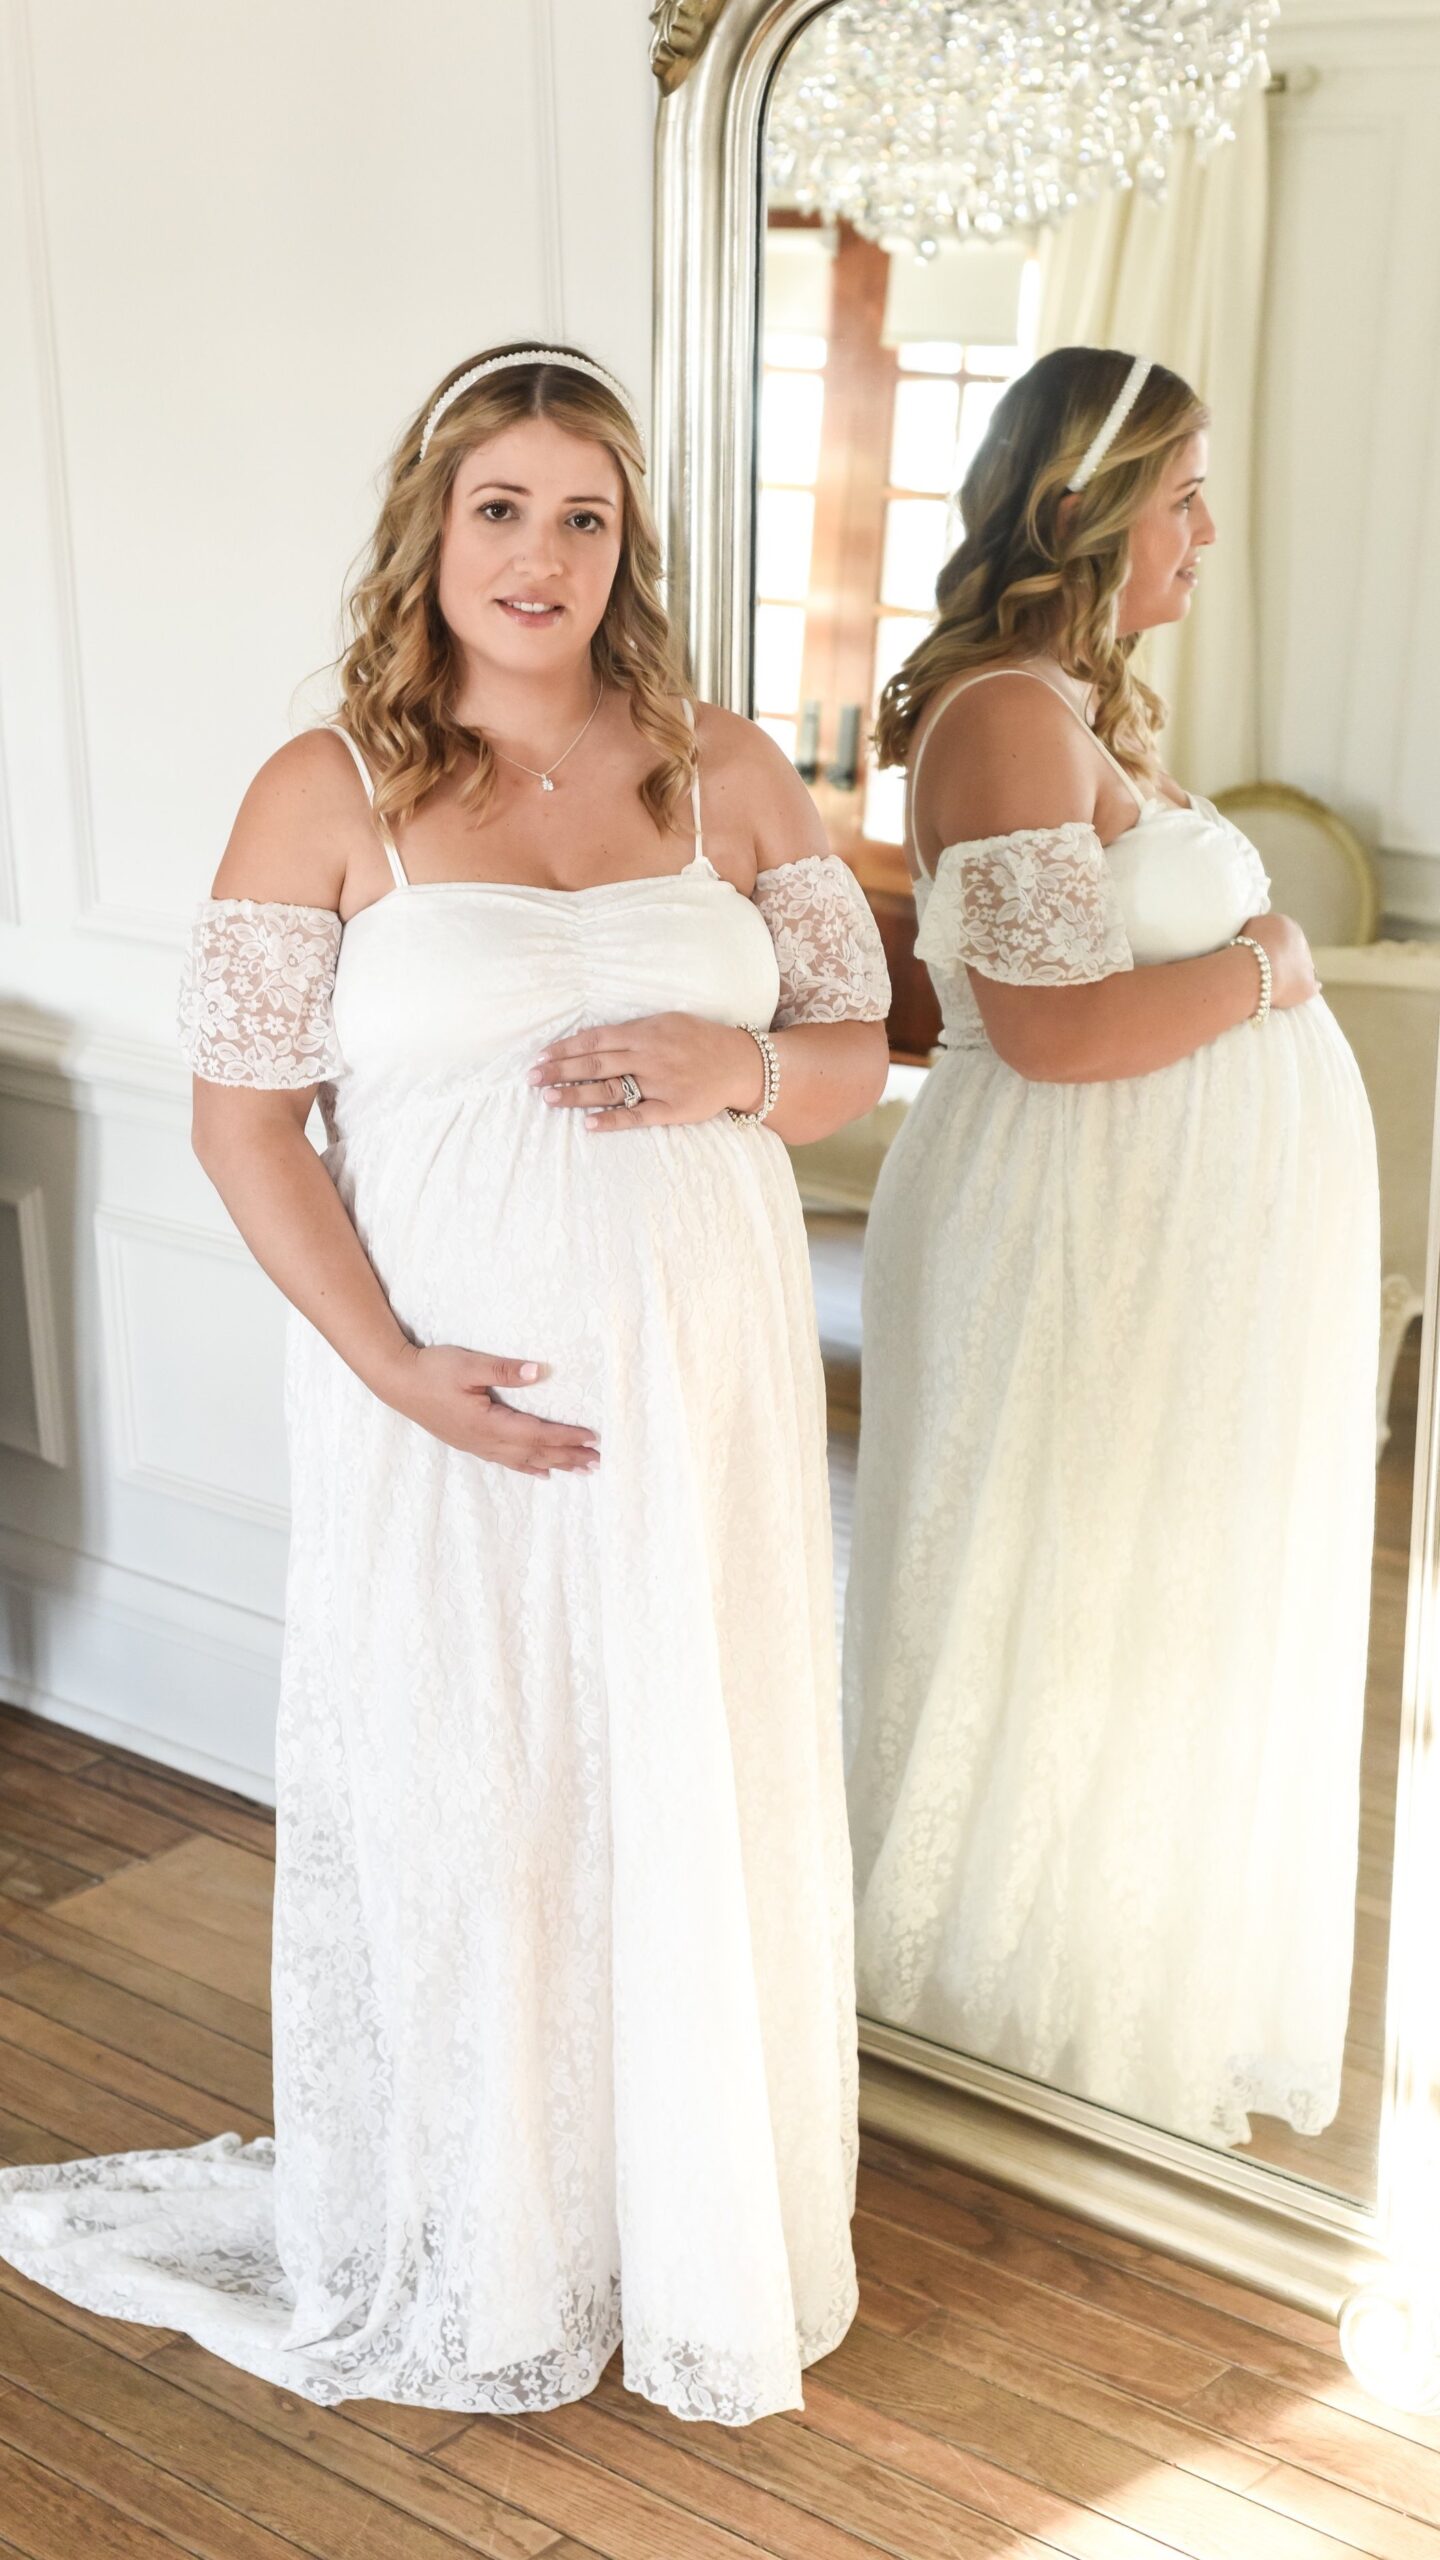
x=545, y=778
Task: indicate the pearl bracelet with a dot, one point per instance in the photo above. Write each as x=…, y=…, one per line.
x=1247, y=942
x=770, y=1054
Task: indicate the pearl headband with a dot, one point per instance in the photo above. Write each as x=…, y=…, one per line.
x=1129, y=393
x=506, y=364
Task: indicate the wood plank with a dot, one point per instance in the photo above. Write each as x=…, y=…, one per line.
x=51, y=1933
x=1178, y=2441
x=74, y=1800
x=198, y=1807
x=894, y=2448
x=419, y=2430
x=619, y=2519
x=187, y=2053
x=1054, y=2518
x=28, y=1876
x=52, y=1744
x=1052, y=2451
x=135, y=2488
x=1319, y=2373
x=34, y=2031
x=25, y=2145
x=797, y=2495
x=159, y=2422
x=410, y=2481
x=23, y=1825
x=1090, y=2239
x=134, y=2339
x=742, y=2499
x=49, y=2095
x=202, y=1909
x=52, y=2519
x=1351, y=2451
x=119, y=1755
x=926, y=2266
x=1062, y=2325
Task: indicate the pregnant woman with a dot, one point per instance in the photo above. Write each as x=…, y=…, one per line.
x=1105, y=1653
x=564, y=2004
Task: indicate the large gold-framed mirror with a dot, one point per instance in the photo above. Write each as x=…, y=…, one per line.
x=817, y=396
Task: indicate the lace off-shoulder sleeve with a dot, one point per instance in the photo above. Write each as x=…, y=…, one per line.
x=1034, y=909
x=832, y=962
x=255, y=994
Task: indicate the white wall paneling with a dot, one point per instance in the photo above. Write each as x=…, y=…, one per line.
x=192, y=1364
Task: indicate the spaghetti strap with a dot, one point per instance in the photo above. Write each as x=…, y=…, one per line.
x=397, y=867
x=987, y=675
x=695, y=784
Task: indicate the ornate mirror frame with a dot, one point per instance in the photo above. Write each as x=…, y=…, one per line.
x=1377, y=2268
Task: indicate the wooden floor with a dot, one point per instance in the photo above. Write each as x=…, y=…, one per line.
x=1344, y=2159
x=1017, y=2384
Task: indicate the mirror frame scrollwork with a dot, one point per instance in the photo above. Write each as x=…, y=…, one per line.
x=1376, y=2267
x=682, y=31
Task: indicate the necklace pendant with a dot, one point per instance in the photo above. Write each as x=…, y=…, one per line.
x=545, y=782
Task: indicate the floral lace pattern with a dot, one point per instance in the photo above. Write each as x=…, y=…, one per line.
x=1036, y=908
x=564, y=2010
x=1103, y=1719
x=832, y=961
x=255, y=994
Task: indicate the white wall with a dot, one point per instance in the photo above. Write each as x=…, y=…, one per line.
x=237, y=245
x=1349, y=516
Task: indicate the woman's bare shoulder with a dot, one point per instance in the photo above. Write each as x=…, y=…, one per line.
x=1000, y=756
x=748, y=783
x=301, y=822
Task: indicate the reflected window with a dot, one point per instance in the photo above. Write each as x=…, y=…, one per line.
x=792, y=406
x=866, y=431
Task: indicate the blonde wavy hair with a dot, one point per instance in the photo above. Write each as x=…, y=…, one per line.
x=1023, y=581
x=400, y=669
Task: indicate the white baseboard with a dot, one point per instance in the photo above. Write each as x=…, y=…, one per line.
x=188, y=1680
x=164, y=1749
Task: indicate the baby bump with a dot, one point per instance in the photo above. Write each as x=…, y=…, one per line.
x=509, y=1227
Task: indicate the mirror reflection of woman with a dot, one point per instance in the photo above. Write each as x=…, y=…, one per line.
x=564, y=2006
x=1106, y=1633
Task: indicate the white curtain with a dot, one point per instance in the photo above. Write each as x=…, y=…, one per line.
x=1183, y=281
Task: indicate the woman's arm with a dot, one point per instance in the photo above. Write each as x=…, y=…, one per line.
x=830, y=1074
x=1140, y=1019
x=1008, y=757
x=302, y=823
x=690, y=1070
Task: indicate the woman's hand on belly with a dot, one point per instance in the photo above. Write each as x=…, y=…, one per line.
x=451, y=1394
x=1292, y=967
x=686, y=1069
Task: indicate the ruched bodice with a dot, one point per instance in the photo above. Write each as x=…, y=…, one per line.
x=470, y=979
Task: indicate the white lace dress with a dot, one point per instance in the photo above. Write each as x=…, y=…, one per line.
x=563, y=1992
x=1106, y=1630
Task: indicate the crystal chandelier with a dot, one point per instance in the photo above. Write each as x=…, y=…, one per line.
x=922, y=119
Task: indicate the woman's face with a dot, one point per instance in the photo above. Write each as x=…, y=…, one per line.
x=1166, y=539
x=530, y=546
